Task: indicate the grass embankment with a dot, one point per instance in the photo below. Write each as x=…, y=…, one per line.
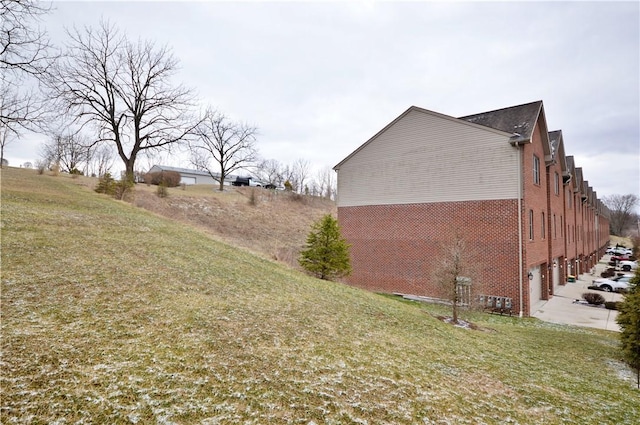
x=113, y=315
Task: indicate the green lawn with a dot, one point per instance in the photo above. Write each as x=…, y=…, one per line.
x=113, y=315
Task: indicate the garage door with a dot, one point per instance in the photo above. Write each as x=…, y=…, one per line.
x=535, y=287
x=556, y=274
x=188, y=180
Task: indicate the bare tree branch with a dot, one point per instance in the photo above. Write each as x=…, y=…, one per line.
x=621, y=212
x=301, y=169
x=223, y=145
x=25, y=56
x=69, y=151
x=455, y=273
x=123, y=89
x=24, y=46
x=270, y=171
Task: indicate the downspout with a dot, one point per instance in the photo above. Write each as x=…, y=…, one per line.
x=520, y=255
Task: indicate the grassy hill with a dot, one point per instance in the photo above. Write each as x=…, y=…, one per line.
x=112, y=314
x=271, y=223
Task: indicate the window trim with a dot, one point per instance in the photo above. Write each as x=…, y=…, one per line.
x=536, y=170
x=531, y=232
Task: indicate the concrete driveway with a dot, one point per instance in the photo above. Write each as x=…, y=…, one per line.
x=567, y=306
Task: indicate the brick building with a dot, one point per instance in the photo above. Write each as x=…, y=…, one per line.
x=499, y=179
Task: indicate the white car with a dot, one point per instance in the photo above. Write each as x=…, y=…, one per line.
x=627, y=265
x=619, y=283
x=618, y=250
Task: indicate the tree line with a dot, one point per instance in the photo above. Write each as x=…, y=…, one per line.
x=103, y=96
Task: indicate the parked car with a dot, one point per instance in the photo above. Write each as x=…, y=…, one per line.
x=617, y=284
x=627, y=266
x=618, y=250
x=247, y=181
x=616, y=259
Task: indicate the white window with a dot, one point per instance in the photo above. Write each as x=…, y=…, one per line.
x=536, y=170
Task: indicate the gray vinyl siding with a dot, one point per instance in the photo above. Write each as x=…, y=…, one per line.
x=425, y=157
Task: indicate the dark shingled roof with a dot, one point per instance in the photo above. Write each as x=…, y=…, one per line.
x=519, y=119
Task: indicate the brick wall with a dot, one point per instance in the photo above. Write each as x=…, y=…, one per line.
x=569, y=228
x=398, y=248
x=555, y=200
x=536, y=250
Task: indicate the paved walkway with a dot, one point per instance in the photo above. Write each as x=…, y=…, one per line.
x=563, y=308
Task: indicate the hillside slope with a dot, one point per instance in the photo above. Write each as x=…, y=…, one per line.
x=271, y=223
x=111, y=314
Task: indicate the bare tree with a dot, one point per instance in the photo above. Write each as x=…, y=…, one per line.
x=69, y=151
x=5, y=138
x=124, y=90
x=621, y=211
x=18, y=111
x=24, y=46
x=301, y=169
x=454, y=274
x=289, y=175
x=99, y=160
x=270, y=172
x=25, y=55
x=222, y=146
x=326, y=183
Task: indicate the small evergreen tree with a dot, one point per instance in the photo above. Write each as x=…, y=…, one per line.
x=629, y=321
x=106, y=185
x=327, y=253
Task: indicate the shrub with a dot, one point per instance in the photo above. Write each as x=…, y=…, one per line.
x=55, y=169
x=593, y=298
x=118, y=189
x=629, y=321
x=162, y=191
x=41, y=166
x=608, y=272
x=124, y=189
x=168, y=178
x=612, y=305
x=296, y=197
x=253, y=199
x=635, y=246
x=106, y=185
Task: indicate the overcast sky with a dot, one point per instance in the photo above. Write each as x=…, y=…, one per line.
x=320, y=78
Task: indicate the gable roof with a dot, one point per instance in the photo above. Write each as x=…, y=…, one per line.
x=557, y=153
x=570, y=168
x=520, y=119
x=578, y=185
x=554, y=139
x=424, y=111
